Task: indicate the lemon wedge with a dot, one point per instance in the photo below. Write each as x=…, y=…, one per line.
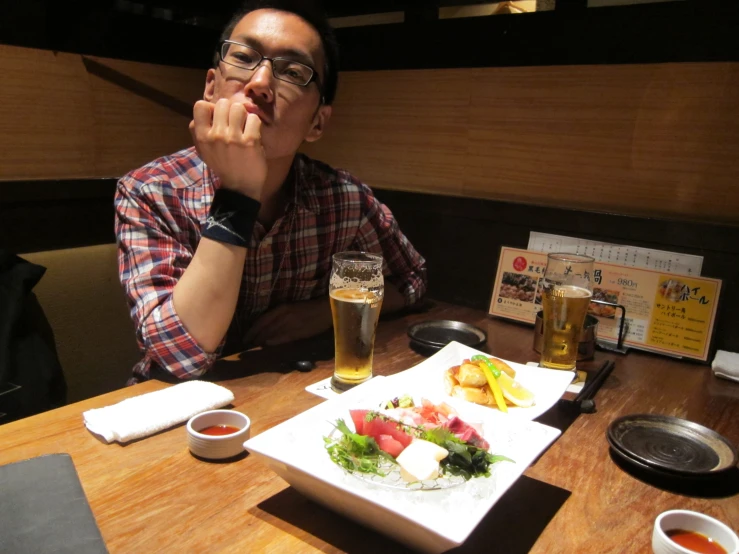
x=514, y=392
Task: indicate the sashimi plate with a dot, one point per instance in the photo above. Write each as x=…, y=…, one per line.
x=426, y=520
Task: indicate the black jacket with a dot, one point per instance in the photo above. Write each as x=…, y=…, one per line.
x=31, y=378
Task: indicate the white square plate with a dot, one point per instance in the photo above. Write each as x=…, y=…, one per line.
x=428, y=520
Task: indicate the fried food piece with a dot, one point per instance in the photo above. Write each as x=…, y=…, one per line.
x=450, y=381
x=470, y=375
x=478, y=395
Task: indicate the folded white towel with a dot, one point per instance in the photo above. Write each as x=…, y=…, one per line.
x=150, y=413
x=726, y=365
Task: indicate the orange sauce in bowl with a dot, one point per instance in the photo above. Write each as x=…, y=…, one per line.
x=696, y=542
x=219, y=430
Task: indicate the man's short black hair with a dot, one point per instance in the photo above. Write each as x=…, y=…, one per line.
x=313, y=14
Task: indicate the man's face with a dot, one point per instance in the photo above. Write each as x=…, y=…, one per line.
x=290, y=113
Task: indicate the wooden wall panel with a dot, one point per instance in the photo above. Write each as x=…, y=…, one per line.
x=408, y=129
x=59, y=121
x=649, y=139
x=45, y=123
x=653, y=139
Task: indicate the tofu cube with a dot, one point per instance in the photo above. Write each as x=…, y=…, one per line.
x=420, y=460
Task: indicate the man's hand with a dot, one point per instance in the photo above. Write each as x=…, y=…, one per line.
x=290, y=322
x=229, y=141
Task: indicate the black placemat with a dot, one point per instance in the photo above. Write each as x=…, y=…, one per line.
x=44, y=509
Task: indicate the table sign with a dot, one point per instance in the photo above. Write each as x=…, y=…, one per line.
x=666, y=313
x=619, y=254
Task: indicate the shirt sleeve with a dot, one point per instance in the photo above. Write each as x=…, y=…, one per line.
x=154, y=249
x=379, y=233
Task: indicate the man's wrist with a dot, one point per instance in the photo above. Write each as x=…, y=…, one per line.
x=250, y=191
x=231, y=218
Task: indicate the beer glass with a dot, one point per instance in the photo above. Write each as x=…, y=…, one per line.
x=356, y=290
x=566, y=295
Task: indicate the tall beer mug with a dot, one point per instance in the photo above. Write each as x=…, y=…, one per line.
x=566, y=294
x=356, y=290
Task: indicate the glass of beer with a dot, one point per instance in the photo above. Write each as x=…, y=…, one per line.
x=566, y=294
x=356, y=290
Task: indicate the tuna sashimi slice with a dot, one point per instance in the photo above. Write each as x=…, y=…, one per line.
x=466, y=432
x=389, y=445
x=378, y=427
x=358, y=419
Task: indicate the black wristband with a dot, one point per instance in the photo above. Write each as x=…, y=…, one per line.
x=231, y=218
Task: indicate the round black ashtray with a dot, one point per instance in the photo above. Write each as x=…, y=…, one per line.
x=432, y=336
x=671, y=445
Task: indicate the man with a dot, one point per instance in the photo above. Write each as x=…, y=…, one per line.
x=235, y=236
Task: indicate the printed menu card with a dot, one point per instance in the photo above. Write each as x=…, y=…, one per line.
x=666, y=313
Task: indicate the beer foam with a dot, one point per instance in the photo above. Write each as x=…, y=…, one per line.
x=571, y=291
x=368, y=280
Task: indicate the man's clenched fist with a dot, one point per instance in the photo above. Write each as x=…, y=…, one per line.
x=229, y=140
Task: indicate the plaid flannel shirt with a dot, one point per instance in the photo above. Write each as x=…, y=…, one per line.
x=161, y=208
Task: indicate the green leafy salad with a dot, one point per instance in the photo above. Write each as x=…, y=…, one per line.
x=356, y=452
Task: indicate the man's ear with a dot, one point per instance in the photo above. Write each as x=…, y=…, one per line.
x=320, y=120
x=210, y=85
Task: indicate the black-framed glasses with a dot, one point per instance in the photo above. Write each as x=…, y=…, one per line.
x=247, y=58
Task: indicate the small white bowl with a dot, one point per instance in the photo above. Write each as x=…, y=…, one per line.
x=218, y=447
x=690, y=521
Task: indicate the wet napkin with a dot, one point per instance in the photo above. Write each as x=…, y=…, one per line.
x=726, y=365
x=152, y=412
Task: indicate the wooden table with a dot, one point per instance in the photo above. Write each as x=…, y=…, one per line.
x=152, y=495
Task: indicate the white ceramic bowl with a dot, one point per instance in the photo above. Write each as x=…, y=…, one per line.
x=690, y=521
x=222, y=446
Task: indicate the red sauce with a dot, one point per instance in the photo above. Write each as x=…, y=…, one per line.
x=218, y=430
x=695, y=542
